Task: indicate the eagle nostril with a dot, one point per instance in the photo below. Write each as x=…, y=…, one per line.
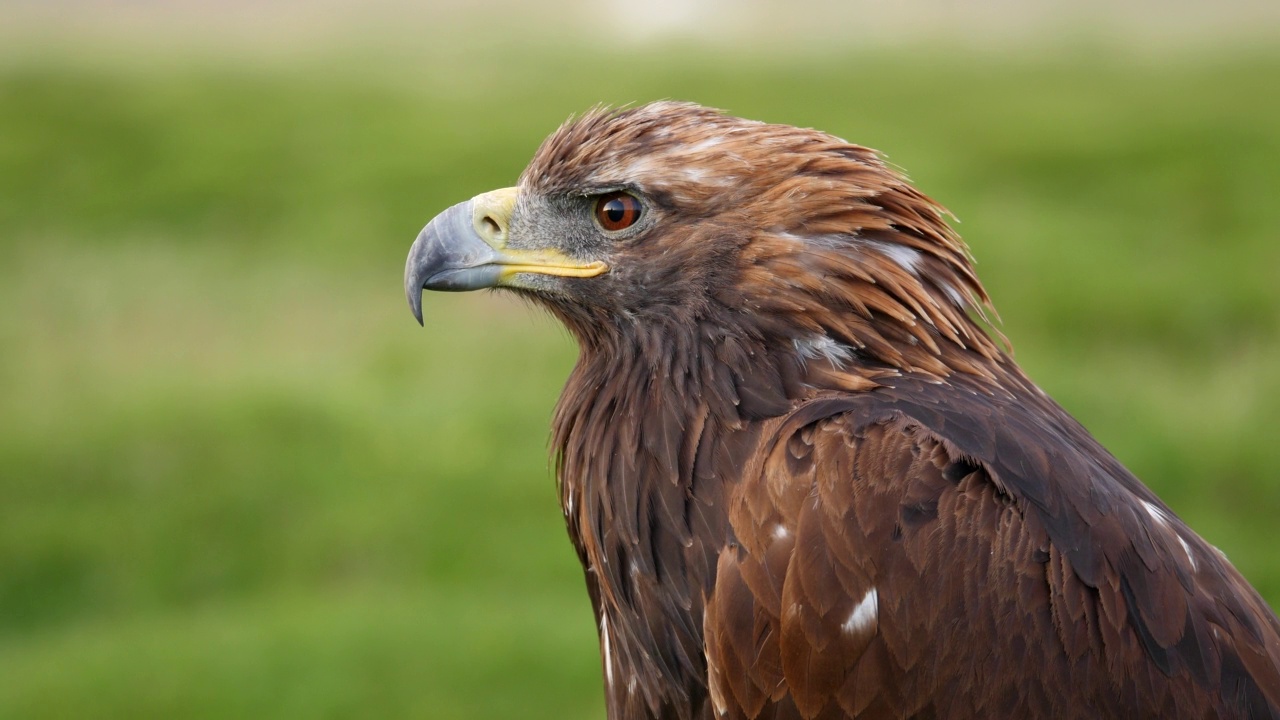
x=491, y=231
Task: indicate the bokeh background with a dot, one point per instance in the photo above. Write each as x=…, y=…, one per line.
x=238, y=481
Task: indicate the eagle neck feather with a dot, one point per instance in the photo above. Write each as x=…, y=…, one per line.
x=639, y=424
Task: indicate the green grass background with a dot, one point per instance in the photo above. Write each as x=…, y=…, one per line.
x=237, y=480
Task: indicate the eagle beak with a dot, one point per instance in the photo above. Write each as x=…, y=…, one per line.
x=465, y=248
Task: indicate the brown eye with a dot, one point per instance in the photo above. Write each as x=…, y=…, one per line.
x=617, y=211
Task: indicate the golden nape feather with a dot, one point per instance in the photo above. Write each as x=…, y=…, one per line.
x=802, y=478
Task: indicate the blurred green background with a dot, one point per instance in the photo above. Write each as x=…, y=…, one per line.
x=237, y=480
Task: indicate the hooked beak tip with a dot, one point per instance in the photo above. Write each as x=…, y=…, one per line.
x=415, y=305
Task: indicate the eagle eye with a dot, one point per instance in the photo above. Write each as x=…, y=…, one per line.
x=617, y=211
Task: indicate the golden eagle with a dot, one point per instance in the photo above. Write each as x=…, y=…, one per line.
x=802, y=479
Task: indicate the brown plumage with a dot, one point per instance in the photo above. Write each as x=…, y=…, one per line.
x=803, y=480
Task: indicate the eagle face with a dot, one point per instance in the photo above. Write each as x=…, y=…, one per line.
x=802, y=479
x=637, y=225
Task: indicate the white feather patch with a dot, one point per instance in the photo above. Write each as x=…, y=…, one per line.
x=864, y=613
x=643, y=166
x=1187, y=549
x=704, y=144
x=608, y=656
x=1156, y=513
x=906, y=258
x=829, y=241
x=822, y=346
x=955, y=295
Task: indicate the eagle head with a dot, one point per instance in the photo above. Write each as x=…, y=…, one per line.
x=675, y=216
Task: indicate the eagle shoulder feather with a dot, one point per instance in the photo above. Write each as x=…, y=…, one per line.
x=919, y=544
